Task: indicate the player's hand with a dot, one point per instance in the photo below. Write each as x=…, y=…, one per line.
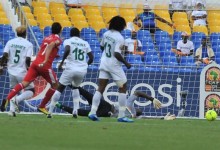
x=157, y=104
x=169, y=116
x=139, y=24
x=128, y=65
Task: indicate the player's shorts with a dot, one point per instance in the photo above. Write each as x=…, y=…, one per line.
x=73, y=77
x=14, y=80
x=34, y=71
x=116, y=74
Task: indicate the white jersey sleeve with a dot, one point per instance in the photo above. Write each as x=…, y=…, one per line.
x=139, y=43
x=88, y=48
x=7, y=47
x=119, y=45
x=30, y=50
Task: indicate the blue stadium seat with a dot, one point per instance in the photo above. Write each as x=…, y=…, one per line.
x=126, y=33
x=134, y=59
x=197, y=36
x=1, y=49
x=165, y=49
x=217, y=57
x=146, y=41
x=47, y=31
x=142, y=34
x=216, y=48
x=94, y=43
x=35, y=29
x=66, y=32
x=87, y=31
x=149, y=49
x=96, y=50
x=169, y=60
x=215, y=42
x=187, y=61
x=197, y=44
x=97, y=56
x=102, y=31
x=214, y=36
x=152, y=60
x=89, y=37
x=162, y=37
x=176, y=38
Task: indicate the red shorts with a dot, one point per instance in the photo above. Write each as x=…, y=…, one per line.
x=34, y=71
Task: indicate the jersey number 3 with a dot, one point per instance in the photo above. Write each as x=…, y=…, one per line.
x=108, y=51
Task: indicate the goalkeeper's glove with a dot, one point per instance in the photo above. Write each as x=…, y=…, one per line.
x=157, y=104
x=169, y=117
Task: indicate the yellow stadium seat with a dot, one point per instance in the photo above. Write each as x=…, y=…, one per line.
x=127, y=12
x=45, y=23
x=200, y=29
x=75, y=11
x=92, y=18
x=53, y=5
x=181, y=22
x=26, y=9
x=38, y=4
x=40, y=10
x=214, y=29
x=213, y=16
x=214, y=23
x=1, y=8
x=81, y=24
x=29, y=15
x=4, y=21
x=3, y=14
x=97, y=25
x=76, y=18
x=94, y=11
x=59, y=17
x=65, y=23
x=165, y=27
x=129, y=18
x=56, y=11
x=32, y=22
x=125, y=6
x=184, y=28
x=164, y=14
x=110, y=12
x=178, y=15
x=43, y=16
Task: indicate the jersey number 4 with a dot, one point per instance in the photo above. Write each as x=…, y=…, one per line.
x=79, y=54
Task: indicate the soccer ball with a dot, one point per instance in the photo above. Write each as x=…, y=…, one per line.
x=211, y=115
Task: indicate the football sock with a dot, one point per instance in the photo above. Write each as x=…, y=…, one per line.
x=122, y=103
x=55, y=98
x=47, y=98
x=15, y=91
x=130, y=103
x=95, y=102
x=76, y=98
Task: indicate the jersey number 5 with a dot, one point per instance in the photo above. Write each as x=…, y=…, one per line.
x=79, y=54
x=17, y=56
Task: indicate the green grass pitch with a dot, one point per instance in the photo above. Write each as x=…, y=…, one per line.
x=36, y=132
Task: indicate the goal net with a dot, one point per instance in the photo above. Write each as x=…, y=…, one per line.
x=157, y=70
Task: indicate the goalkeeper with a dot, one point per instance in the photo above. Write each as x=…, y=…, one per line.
x=105, y=109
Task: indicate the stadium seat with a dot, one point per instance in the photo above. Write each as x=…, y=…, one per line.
x=152, y=60
x=93, y=11
x=85, y=31
x=142, y=34
x=187, y=61
x=3, y=14
x=60, y=17
x=169, y=60
x=134, y=59
x=32, y=22
x=126, y=33
x=176, y=37
x=38, y=4
x=40, y=10
x=43, y=16
x=149, y=49
x=57, y=11
x=47, y=31
x=81, y=24
x=214, y=36
x=165, y=27
x=214, y=29
x=4, y=21
x=45, y=23
x=202, y=29
x=75, y=11
x=97, y=25
x=26, y=9
x=76, y=18
x=177, y=15
x=55, y=5
x=102, y=31
x=65, y=23
x=29, y=16
x=94, y=43
x=89, y=37
x=162, y=36
x=94, y=18
x=184, y=28
x=66, y=32
x=197, y=36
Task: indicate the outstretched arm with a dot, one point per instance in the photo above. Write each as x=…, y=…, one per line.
x=163, y=20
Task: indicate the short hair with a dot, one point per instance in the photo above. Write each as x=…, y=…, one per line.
x=21, y=31
x=56, y=28
x=74, y=32
x=117, y=23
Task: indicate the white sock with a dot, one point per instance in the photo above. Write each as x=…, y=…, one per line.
x=130, y=103
x=122, y=104
x=54, y=99
x=24, y=96
x=76, y=98
x=95, y=102
x=12, y=108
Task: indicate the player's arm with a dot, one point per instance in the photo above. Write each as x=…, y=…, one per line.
x=3, y=60
x=91, y=57
x=66, y=53
x=135, y=21
x=163, y=20
x=28, y=61
x=28, y=56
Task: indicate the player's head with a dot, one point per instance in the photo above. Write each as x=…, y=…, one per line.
x=199, y=5
x=146, y=7
x=56, y=28
x=74, y=32
x=138, y=112
x=204, y=41
x=185, y=36
x=117, y=23
x=21, y=31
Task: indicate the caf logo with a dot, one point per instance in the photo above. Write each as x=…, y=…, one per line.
x=212, y=101
x=212, y=78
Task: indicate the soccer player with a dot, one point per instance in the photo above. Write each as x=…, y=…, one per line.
x=41, y=67
x=111, y=66
x=76, y=50
x=105, y=109
x=17, y=54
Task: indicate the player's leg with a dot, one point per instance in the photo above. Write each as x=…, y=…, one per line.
x=103, y=81
x=87, y=95
x=29, y=77
x=121, y=80
x=50, y=76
